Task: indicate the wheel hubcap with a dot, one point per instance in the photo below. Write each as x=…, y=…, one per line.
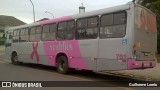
x=62, y=65
x=15, y=58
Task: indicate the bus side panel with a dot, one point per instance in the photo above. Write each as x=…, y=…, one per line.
x=22, y=50
x=89, y=52
x=113, y=52
x=29, y=53
x=70, y=48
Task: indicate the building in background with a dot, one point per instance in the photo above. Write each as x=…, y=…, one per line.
x=82, y=9
x=5, y=22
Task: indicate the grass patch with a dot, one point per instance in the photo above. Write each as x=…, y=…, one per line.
x=2, y=49
x=158, y=58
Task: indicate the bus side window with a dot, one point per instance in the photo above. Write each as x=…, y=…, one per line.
x=21, y=37
x=9, y=37
x=15, y=36
x=52, y=30
x=92, y=28
x=119, y=18
x=87, y=28
x=61, y=33
x=38, y=33
x=24, y=35
x=119, y=28
x=45, y=33
x=32, y=34
x=106, y=25
x=35, y=33
x=81, y=28
x=70, y=30
x=113, y=25
x=49, y=32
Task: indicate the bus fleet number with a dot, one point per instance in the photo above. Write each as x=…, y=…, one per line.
x=121, y=57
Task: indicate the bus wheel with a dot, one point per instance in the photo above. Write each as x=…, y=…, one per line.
x=14, y=59
x=62, y=65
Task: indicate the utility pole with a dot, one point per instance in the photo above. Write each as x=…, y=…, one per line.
x=33, y=10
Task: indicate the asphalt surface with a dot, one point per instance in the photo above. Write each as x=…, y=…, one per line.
x=34, y=72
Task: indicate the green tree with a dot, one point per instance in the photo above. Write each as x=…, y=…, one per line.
x=153, y=5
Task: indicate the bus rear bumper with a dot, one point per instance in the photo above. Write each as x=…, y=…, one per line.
x=135, y=64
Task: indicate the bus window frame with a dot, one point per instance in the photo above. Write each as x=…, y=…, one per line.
x=24, y=34
x=16, y=35
x=35, y=33
x=98, y=25
x=66, y=30
x=126, y=18
x=73, y=29
x=49, y=31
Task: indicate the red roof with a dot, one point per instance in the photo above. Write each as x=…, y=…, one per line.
x=42, y=19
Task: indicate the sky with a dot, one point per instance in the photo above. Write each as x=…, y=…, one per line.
x=23, y=10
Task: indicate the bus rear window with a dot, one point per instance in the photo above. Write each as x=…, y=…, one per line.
x=145, y=20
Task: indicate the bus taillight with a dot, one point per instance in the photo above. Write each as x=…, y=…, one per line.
x=134, y=51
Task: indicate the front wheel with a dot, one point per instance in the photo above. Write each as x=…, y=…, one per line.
x=14, y=59
x=62, y=65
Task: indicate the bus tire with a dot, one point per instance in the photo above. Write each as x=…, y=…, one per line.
x=62, y=65
x=14, y=59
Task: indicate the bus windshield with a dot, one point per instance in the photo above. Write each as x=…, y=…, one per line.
x=145, y=19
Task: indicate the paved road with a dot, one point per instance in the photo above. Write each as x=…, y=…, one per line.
x=32, y=72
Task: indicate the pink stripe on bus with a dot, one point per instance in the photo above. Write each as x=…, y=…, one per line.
x=70, y=48
x=56, y=20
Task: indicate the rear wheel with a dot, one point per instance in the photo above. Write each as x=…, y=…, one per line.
x=14, y=59
x=62, y=65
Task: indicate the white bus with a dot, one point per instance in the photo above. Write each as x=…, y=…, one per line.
x=117, y=38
